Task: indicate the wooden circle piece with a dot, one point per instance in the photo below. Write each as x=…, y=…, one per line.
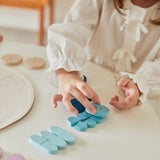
x=11, y=59
x=35, y=63
x=1, y=38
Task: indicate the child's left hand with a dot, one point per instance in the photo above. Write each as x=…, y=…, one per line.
x=131, y=94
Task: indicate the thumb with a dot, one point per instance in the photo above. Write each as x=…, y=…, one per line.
x=55, y=99
x=123, y=82
x=96, y=100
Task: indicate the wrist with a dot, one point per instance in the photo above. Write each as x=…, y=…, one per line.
x=62, y=72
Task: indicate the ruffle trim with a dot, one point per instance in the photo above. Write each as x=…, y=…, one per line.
x=141, y=83
x=69, y=66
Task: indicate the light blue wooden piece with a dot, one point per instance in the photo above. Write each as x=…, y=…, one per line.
x=84, y=120
x=49, y=147
x=91, y=123
x=44, y=144
x=69, y=138
x=101, y=111
x=82, y=116
x=72, y=121
x=81, y=126
x=60, y=143
x=97, y=119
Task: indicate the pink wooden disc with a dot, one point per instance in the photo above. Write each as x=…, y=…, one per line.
x=1, y=152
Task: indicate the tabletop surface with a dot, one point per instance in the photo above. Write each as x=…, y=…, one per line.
x=124, y=135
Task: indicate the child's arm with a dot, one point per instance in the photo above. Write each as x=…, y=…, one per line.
x=66, y=53
x=145, y=83
x=67, y=41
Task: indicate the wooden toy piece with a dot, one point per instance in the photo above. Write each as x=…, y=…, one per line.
x=44, y=144
x=81, y=126
x=60, y=143
x=72, y=121
x=80, y=108
x=1, y=38
x=69, y=138
x=91, y=123
x=84, y=120
x=83, y=116
x=35, y=63
x=1, y=152
x=49, y=147
x=97, y=119
x=101, y=111
x=84, y=78
x=15, y=157
x=11, y=59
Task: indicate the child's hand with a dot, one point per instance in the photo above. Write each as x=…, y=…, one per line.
x=131, y=94
x=72, y=86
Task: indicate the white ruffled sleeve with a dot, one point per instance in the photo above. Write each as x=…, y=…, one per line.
x=67, y=41
x=148, y=79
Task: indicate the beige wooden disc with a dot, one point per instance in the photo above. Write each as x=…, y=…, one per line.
x=1, y=38
x=35, y=63
x=11, y=59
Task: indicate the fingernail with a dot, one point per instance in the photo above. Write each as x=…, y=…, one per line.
x=111, y=103
x=74, y=112
x=54, y=105
x=93, y=111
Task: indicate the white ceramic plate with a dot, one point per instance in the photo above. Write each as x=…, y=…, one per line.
x=16, y=96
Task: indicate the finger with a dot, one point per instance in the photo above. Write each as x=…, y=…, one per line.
x=95, y=99
x=123, y=82
x=55, y=99
x=122, y=105
x=67, y=102
x=88, y=92
x=115, y=98
x=82, y=99
x=116, y=104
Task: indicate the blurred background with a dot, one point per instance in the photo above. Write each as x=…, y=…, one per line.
x=27, y=21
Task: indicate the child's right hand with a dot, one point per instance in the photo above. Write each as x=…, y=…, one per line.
x=72, y=86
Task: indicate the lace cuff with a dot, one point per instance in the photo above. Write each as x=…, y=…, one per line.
x=51, y=75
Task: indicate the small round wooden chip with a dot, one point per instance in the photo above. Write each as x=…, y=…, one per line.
x=35, y=63
x=1, y=38
x=11, y=59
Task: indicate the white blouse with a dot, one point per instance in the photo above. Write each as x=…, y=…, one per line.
x=94, y=30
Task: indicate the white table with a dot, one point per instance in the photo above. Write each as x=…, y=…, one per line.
x=124, y=135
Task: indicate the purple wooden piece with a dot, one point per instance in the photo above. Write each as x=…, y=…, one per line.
x=1, y=152
x=15, y=157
